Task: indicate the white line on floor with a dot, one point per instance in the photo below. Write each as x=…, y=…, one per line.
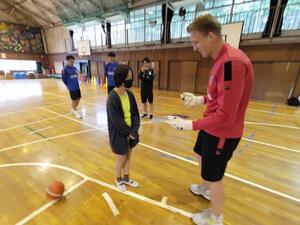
x=49, y=204
x=194, y=163
x=39, y=130
x=103, y=184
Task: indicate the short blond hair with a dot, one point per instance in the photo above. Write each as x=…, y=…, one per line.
x=205, y=24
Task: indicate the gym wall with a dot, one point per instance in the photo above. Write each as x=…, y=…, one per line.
x=276, y=68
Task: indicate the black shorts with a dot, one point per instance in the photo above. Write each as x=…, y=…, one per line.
x=147, y=94
x=109, y=89
x=215, y=152
x=75, y=94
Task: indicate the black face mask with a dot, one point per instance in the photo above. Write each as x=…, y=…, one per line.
x=128, y=83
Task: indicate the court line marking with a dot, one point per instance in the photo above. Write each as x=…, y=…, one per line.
x=35, y=122
x=111, y=204
x=245, y=139
x=273, y=146
x=265, y=143
x=103, y=184
x=46, y=139
x=61, y=96
x=49, y=204
x=37, y=107
x=164, y=200
x=254, y=123
x=30, y=123
x=272, y=125
x=30, y=109
x=39, y=130
x=195, y=163
x=270, y=103
x=277, y=113
x=250, y=183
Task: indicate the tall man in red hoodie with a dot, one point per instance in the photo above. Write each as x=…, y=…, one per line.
x=221, y=128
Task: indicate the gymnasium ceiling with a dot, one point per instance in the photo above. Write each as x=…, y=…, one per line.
x=48, y=13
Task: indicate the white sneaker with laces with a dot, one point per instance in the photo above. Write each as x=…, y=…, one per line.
x=121, y=186
x=131, y=183
x=77, y=114
x=200, y=190
x=81, y=112
x=207, y=218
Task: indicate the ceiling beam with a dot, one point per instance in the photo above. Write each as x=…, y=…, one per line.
x=98, y=5
x=31, y=13
x=46, y=10
x=25, y=16
x=76, y=8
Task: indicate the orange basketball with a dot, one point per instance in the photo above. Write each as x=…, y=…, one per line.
x=55, y=190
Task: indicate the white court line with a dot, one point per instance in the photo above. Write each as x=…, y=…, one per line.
x=35, y=122
x=30, y=123
x=277, y=113
x=111, y=204
x=273, y=146
x=60, y=96
x=272, y=125
x=37, y=107
x=194, y=163
x=229, y=175
x=32, y=108
x=104, y=184
x=42, y=129
x=49, y=204
x=271, y=104
x=264, y=143
x=77, y=121
x=45, y=139
x=164, y=200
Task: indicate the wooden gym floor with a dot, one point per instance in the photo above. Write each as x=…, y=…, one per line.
x=41, y=143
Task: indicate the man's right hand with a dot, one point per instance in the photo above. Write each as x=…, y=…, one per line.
x=190, y=100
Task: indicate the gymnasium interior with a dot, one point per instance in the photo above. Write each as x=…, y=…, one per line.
x=43, y=143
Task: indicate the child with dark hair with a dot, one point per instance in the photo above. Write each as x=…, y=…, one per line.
x=70, y=79
x=123, y=124
x=146, y=76
x=109, y=71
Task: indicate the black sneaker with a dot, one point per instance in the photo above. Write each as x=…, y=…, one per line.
x=144, y=115
x=151, y=117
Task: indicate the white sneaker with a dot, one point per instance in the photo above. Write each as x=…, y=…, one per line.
x=77, y=114
x=121, y=186
x=81, y=112
x=200, y=190
x=131, y=183
x=207, y=218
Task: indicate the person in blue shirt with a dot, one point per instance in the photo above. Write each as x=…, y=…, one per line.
x=109, y=71
x=70, y=79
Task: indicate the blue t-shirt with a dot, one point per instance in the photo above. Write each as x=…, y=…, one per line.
x=69, y=77
x=109, y=71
